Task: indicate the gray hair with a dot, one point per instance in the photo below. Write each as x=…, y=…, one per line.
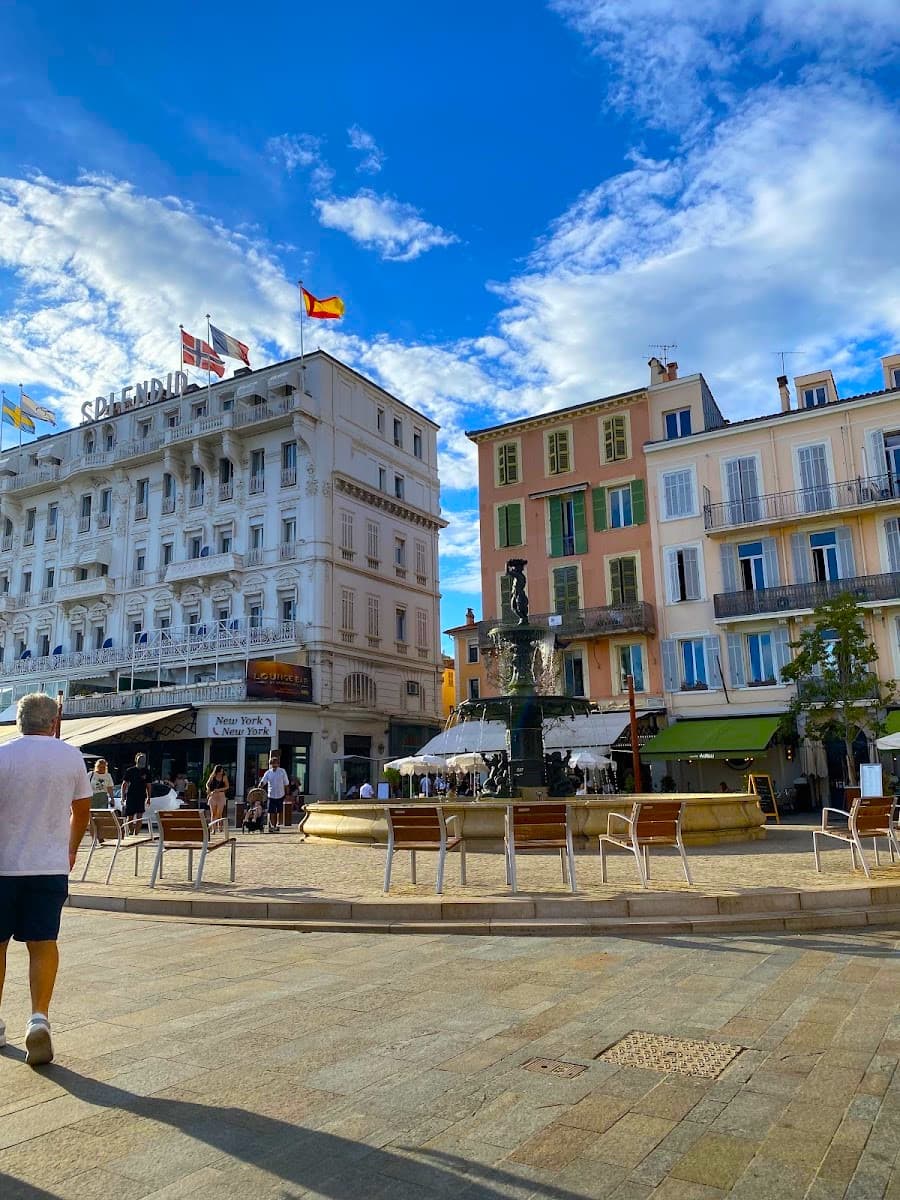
x=36, y=713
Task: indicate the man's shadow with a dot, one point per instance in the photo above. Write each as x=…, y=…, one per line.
x=336, y=1167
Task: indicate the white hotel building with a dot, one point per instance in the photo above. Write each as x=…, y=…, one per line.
x=288, y=514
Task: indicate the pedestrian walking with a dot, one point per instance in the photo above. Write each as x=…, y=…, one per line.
x=217, y=792
x=135, y=793
x=45, y=806
x=275, y=781
x=102, y=784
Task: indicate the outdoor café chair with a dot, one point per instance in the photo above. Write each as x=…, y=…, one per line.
x=185, y=829
x=108, y=829
x=869, y=817
x=422, y=827
x=652, y=823
x=533, y=827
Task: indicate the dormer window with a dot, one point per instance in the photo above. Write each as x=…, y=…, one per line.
x=815, y=397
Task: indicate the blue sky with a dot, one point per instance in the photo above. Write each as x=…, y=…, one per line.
x=514, y=199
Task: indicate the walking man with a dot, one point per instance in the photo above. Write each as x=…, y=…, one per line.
x=45, y=806
x=275, y=781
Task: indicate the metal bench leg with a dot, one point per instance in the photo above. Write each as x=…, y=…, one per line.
x=200, y=866
x=412, y=866
x=136, y=860
x=233, y=849
x=439, y=882
x=602, y=847
x=512, y=866
x=113, y=861
x=190, y=865
x=462, y=863
x=865, y=865
x=816, y=851
x=157, y=865
x=562, y=864
x=387, y=864
x=89, y=857
x=638, y=858
x=647, y=862
x=684, y=861
x=570, y=854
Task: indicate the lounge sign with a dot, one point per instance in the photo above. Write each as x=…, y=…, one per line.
x=135, y=395
x=238, y=724
x=270, y=680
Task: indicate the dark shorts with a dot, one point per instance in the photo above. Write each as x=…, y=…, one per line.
x=274, y=806
x=135, y=806
x=30, y=906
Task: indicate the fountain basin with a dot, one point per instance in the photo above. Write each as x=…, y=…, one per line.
x=708, y=819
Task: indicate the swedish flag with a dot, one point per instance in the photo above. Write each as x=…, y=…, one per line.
x=16, y=418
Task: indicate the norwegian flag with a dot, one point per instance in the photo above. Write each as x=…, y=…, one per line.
x=197, y=353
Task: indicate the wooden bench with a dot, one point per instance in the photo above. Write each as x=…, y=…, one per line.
x=108, y=829
x=534, y=827
x=652, y=823
x=422, y=827
x=190, y=830
x=869, y=817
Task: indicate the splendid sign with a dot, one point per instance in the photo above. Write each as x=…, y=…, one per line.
x=134, y=396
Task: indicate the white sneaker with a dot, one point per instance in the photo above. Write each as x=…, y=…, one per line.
x=38, y=1045
x=2, y=1035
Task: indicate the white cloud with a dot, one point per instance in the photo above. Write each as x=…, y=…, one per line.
x=302, y=151
x=396, y=230
x=373, y=157
x=674, y=63
x=460, y=553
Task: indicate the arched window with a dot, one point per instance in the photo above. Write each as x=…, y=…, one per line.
x=89, y=442
x=359, y=688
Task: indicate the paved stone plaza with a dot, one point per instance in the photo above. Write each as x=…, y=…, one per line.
x=206, y=1061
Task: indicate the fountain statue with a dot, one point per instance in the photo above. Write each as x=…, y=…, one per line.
x=524, y=771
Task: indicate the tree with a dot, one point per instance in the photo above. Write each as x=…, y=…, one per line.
x=838, y=694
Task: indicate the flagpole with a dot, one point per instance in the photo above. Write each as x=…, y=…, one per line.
x=208, y=363
x=2, y=417
x=181, y=341
x=302, y=360
x=21, y=389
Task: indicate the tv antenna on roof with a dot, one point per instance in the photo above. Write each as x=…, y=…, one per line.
x=783, y=354
x=664, y=348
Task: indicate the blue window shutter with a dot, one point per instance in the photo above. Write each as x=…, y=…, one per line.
x=770, y=562
x=736, y=660
x=801, y=557
x=729, y=567
x=669, y=665
x=713, y=665
x=846, y=564
x=781, y=650
x=579, y=520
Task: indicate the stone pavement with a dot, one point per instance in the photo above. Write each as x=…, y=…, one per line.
x=222, y=1062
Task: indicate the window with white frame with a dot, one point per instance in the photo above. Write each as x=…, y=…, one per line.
x=421, y=629
x=815, y=483
x=373, y=540
x=399, y=486
x=347, y=606
x=379, y=419
x=559, y=459
x=691, y=664
x=573, y=673
x=615, y=438
x=382, y=479
x=741, y=477
x=398, y=433
x=507, y=463
x=400, y=552
x=417, y=443
x=373, y=617
x=620, y=510
x=678, y=498
x=346, y=533
x=677, y=423
x=421, y=560
x=815, y=397
x=683, y=574
x=757, y=659
x=224, y=539
x=400, y=624
x=472, y=653
x=631, y=662
x=474, y=689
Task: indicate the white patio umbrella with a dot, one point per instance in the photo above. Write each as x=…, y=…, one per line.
x=416, y=764
x=466, y=762
x=890, y=741
x=588, y=758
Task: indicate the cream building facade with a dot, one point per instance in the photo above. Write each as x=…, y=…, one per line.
x=289, y=515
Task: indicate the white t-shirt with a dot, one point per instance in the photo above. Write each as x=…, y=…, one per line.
x=39, y=778
x=275, y=782
x=366, y=792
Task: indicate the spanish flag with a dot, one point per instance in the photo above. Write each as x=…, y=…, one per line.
x=322, y=310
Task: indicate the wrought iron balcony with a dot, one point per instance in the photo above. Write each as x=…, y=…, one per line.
x=579, y=624
x=775, y=507
x=162, y=697
x=804, y=597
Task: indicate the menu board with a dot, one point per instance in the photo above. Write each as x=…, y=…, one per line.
x=761, y=786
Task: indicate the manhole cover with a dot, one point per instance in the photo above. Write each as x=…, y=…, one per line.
x=554, y=1066
x=657, y=1052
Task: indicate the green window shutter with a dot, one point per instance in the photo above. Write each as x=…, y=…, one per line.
x=598, y=499
x=565, y=589
x=556, y=527
x=506, y=612
x=629, y=581
x=580, y=523
x=638, y=502
x=514, y=524
x=502, y=526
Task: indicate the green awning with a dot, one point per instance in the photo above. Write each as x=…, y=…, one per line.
x=892, y=723
x=732, y=737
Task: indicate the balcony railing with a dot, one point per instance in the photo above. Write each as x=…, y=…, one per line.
x=800, y=597
x=805, y=502
x=580, y=623
x=811, y=688
x=175, y=646
x=168, y=505
x=226, y=490
x=7, y=543
x=257, y=484
x=205, y=565
x=162, y=697
x=288, y=476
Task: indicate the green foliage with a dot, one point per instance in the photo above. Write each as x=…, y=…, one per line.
x=838, y=693
x=394, y=778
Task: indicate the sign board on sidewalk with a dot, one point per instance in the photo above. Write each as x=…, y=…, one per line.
x=764, y=790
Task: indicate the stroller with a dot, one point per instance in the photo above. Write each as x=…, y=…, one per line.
x=255, y=813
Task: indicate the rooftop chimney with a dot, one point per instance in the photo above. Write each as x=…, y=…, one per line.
x=470, y=617
x=784, y=393
x=671, y=372
x=657, y=371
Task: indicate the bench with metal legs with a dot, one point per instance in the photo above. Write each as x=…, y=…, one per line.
x=535, y=827
x=191, y=831
x=108, y=829
x=869, y=817
x=652, y=823
x=422, y=827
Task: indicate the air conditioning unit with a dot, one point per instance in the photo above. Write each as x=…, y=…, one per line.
x=412, y=688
